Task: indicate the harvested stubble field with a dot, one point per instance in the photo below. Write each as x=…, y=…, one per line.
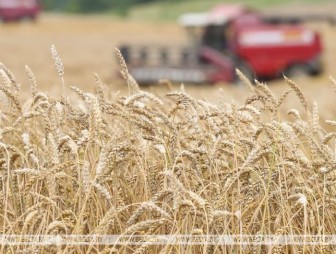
x=77, y=158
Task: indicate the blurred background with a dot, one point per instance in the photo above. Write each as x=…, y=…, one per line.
x=86, y=32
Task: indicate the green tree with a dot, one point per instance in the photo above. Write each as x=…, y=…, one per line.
x=89, y=6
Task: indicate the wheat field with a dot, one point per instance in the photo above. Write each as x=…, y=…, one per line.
x=104, y=163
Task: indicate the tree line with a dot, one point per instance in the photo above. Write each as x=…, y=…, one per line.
x=91, y=6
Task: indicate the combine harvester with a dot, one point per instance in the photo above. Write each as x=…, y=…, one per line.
x=16, y=10
x=230, y=37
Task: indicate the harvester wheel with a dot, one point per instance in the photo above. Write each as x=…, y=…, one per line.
x=297, y=70
x=246, y=70
x=125, y=52
x=315, y=67
x=28, y=19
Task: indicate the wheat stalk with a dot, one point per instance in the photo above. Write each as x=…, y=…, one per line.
x=150, y=164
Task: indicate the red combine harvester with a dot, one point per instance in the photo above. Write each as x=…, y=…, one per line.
x=226, y=38
x=13, y=10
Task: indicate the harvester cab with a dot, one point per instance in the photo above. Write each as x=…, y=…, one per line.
x=215, y=28
x=213, y=33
